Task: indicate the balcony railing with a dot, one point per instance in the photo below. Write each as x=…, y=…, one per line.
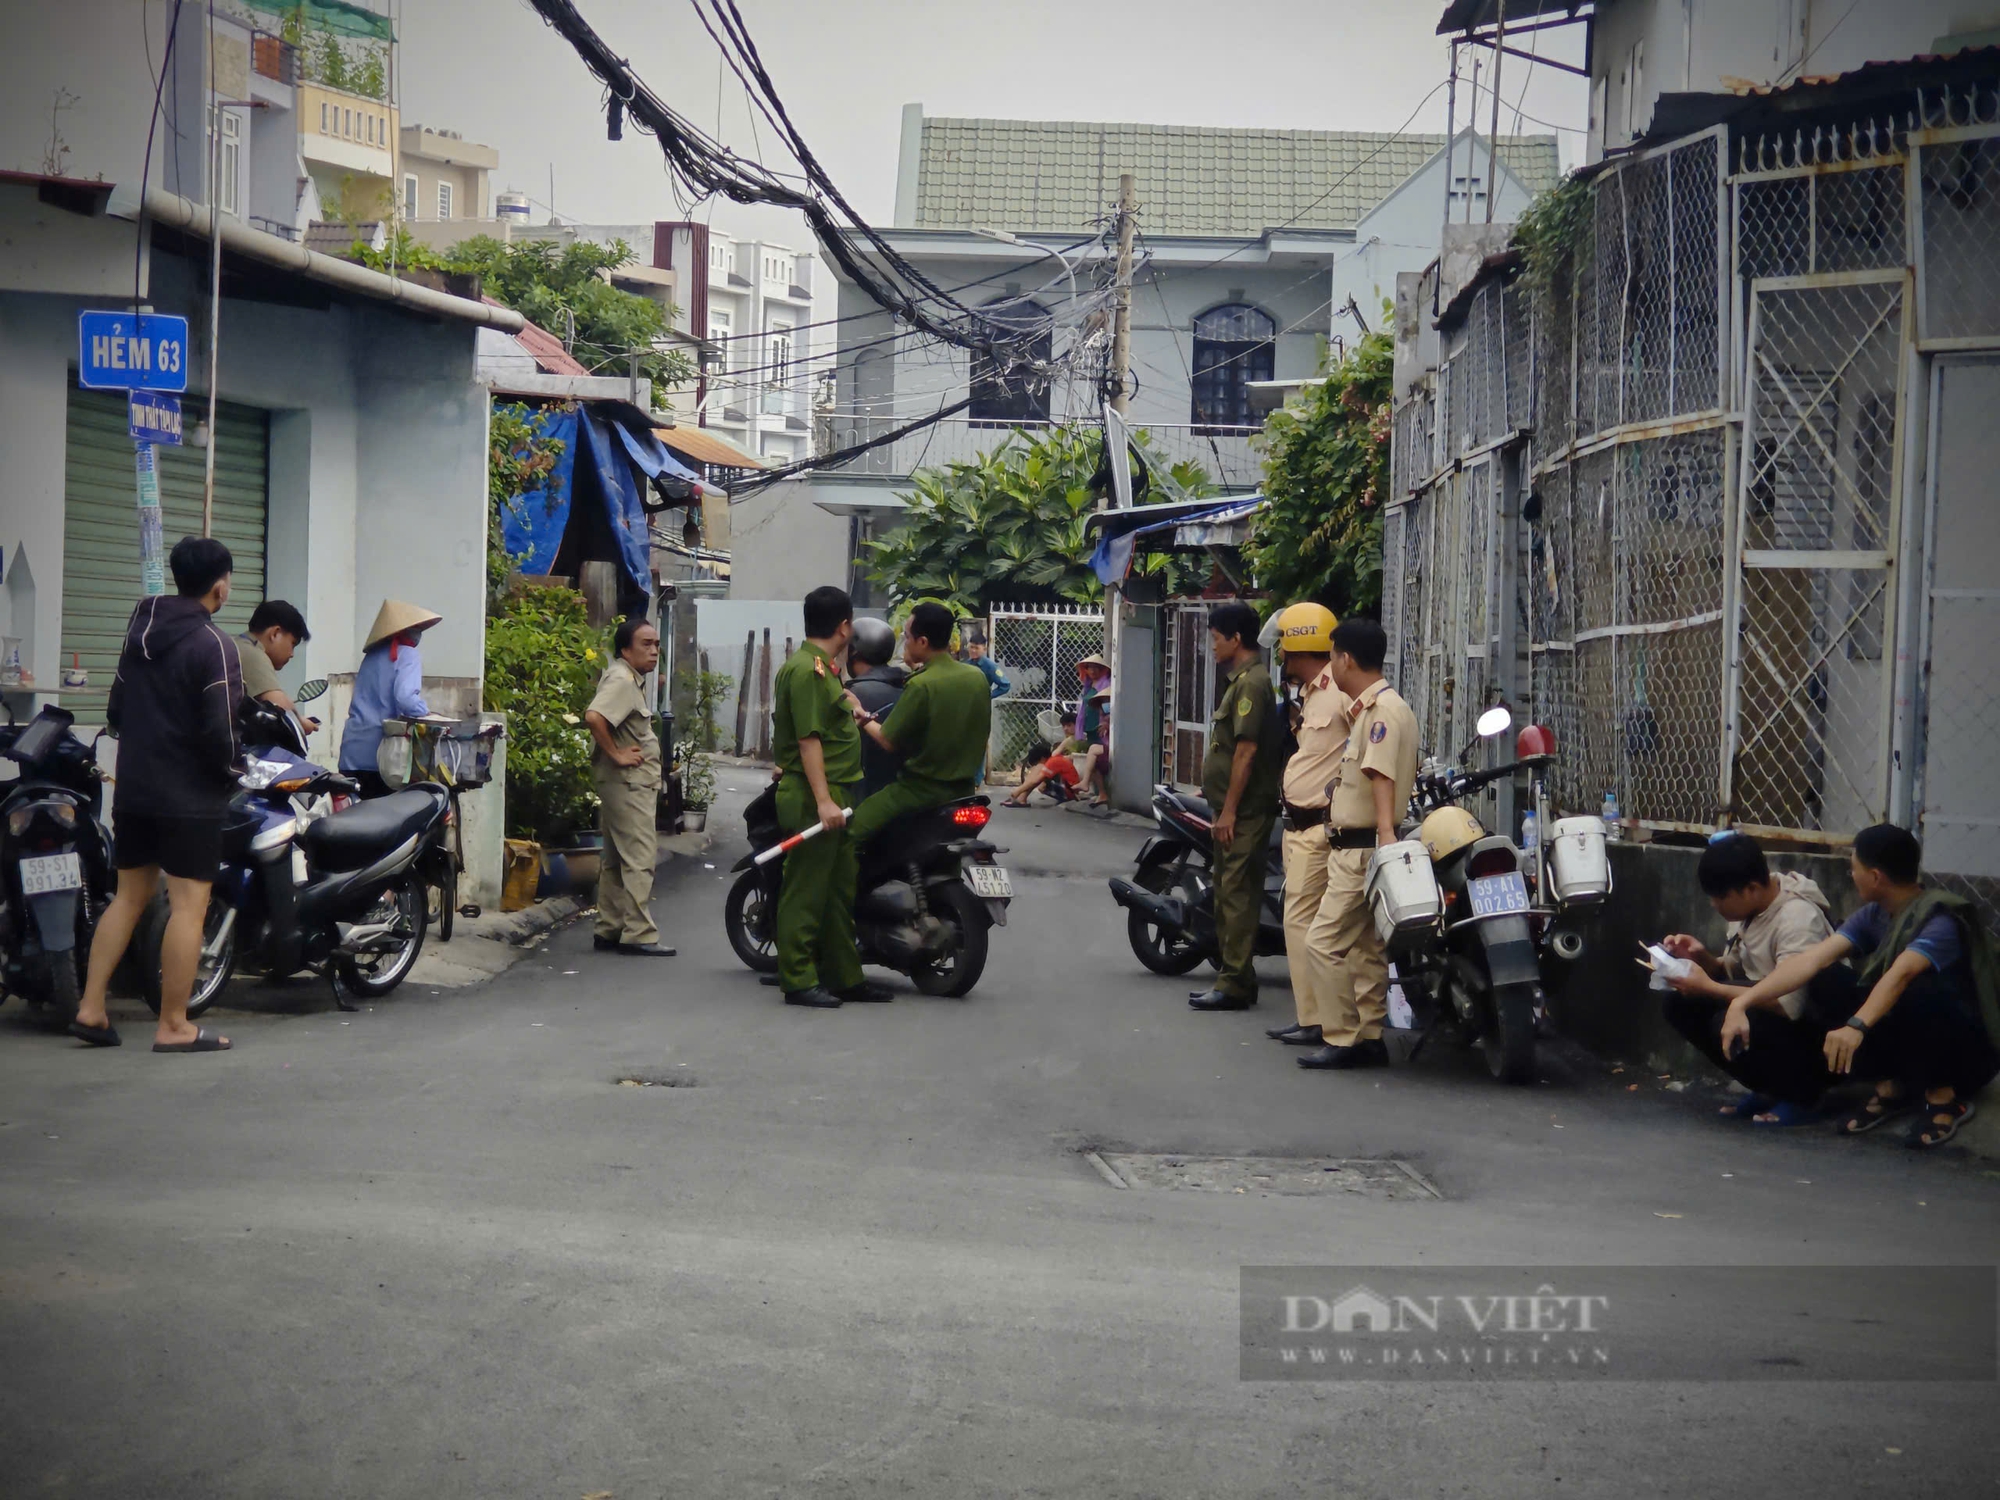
x=1225, y=456
x=274, y=58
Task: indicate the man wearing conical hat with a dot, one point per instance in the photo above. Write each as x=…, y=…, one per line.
x=389, y=685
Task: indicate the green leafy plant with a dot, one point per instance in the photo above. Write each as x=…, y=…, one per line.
x=1011, y=525
x=564, y=288
x=1550, y=235
x=697, y=775
x=709, y=689
x=518, y=465
x=1326, y=470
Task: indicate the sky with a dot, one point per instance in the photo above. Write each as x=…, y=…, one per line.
x=493, y=71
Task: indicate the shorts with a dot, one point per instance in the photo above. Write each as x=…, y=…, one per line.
x=186, y=848
x=1065, y=769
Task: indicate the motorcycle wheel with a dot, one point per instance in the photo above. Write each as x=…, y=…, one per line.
x=1510, y=1044
x=375, y=974
x=212, y=971
x=447, y=896
x=56, y=985
x=957, y=975
x=750, y=917
x=1150, y=944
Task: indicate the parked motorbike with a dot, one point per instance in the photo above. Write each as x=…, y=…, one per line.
x=344, y=895
x=1453, y=905
x=55, y=862
x=928, y=894
x=1170, y=900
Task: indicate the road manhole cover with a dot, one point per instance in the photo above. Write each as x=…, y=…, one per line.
x=1287, y=1176
x=656, y=1081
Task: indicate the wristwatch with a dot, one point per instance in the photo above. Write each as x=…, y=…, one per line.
x=1857, y=1023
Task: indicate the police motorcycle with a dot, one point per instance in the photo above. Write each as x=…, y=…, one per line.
x=55, y=861
x=310, y=881
x=1472, y=924
x=929, y=892
x=1170, y=900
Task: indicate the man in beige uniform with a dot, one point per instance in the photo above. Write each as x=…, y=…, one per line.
x=1371, y=789
x=1305, y=639
x=626, y=767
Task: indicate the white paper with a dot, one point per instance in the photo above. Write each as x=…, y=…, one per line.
x=1666, y=967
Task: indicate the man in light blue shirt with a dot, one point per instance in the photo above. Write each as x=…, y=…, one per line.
x=388, y=685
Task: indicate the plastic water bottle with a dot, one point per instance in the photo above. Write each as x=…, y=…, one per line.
x=1531, y=833
x=1612, y=832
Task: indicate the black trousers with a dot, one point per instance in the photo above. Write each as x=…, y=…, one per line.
x=1931, y=1040
x=1784, y=1058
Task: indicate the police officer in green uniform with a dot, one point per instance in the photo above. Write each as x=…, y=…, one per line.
x=818, y=751
x=1239, y=777
x=939, y=726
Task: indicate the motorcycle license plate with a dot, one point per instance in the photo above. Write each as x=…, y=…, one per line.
x=1498, y=895
x=990, y=882
x=50, y=872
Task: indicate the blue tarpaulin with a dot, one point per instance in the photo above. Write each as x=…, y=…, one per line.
x=1120, y=530
x=623, y=510
x=532, y=527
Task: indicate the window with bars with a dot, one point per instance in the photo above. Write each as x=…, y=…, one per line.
x=1233, y=345
x=1020, y=392
x=444, y=200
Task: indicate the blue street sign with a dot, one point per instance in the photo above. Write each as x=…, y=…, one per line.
x=156, y=418
x=118, y=351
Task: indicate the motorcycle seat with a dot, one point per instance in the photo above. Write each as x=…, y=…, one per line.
x=349, y=839
x=1195, y=805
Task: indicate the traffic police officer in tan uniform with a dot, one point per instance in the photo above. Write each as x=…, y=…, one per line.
x=1371, y=789
x=1239, y=777
x=625, y=765
x=1305, y=640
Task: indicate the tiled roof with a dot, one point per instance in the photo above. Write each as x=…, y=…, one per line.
x=1062, y=175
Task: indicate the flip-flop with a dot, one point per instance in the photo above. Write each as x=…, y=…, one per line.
x=204, y=1041
x=98, y=1036
x=1785, y=1115
x=1748, y=1107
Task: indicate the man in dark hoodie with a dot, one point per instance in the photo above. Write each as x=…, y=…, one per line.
x=173, y=707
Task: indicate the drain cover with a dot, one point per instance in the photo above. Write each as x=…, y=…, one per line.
x=1287, y=1176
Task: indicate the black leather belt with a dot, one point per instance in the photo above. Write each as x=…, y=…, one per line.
x=1350, y=838
x=1302, y=819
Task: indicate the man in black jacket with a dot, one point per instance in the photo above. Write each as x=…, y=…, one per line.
x=173, y=707
x=877, y=682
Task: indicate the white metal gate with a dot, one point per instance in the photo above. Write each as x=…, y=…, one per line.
x=1190, y=695
x=1036, y=648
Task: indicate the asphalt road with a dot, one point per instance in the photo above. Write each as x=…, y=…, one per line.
x=436, y=1249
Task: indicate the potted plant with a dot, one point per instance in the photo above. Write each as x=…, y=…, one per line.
x=697, y=785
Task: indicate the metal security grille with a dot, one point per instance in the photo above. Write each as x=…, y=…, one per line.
x=1190, y=694
x=1036, y=648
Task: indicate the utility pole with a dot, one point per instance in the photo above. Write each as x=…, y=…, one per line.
x=1121, y=325
x=1493, y=136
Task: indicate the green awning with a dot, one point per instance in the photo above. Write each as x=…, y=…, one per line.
x=337, y=16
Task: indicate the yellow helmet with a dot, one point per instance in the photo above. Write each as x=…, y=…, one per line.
x=1306, y=628
x=1447, y=831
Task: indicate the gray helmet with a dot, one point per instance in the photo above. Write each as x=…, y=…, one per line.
x=873, y=644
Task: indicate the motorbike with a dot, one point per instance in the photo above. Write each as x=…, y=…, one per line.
x=1170, y=900
x=344, y=894
x=929, y=892
x=1474, y=926
x=55, y=861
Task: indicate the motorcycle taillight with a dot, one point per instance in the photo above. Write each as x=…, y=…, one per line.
x=974, y=816
x=1493, y=862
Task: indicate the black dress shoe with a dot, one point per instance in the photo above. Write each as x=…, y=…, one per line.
x=646, y=950
x=1369, y=1054
x=1305, y=1036
x=1285, y=1033
x=1218, y=1000
x=867, y=990
x=603, y=944
x=769, y=981
x=816, y=998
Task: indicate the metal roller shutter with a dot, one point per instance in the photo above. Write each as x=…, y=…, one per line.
x=101, y=525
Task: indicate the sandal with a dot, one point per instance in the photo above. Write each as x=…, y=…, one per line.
x=98, y=1036
x=1749, y=1106
x=1876, y=1110
x=1785, y=1115
x=204, y=1041
x=1939, y=1123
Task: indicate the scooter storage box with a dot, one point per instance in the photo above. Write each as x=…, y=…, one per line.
x=1402, y=890
x=1579, y=872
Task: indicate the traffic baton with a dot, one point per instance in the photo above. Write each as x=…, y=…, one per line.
x=787, y=845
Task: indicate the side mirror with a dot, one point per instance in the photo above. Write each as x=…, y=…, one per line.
x=1494, y=721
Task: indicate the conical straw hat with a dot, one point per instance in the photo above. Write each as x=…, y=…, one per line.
x=395, y=617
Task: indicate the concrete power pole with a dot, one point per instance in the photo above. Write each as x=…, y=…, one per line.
x=1121, y=324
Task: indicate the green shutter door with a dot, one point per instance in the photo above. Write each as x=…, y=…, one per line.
x=101, y=525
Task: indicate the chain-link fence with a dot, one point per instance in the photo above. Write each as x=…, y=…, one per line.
x=1037, y=648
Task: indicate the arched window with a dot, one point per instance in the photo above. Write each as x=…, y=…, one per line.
x=1010, y=397
x=1233, y=345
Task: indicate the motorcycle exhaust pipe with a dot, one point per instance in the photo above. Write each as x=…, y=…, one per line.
x=1165, y=911
x=1567, y=944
